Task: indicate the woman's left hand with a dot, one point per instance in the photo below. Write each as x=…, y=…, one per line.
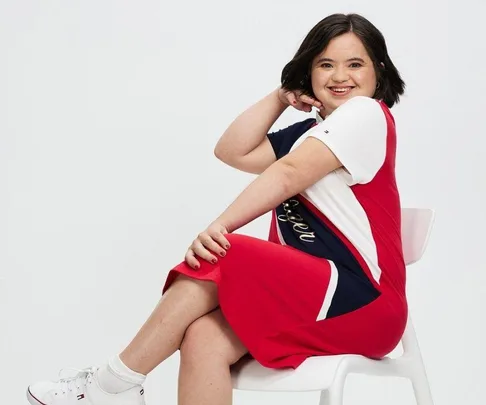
x=207, y=245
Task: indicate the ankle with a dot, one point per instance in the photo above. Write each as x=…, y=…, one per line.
x=115, y=376
x=128, y=362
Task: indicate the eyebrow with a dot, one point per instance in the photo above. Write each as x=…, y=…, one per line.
x=356, y=59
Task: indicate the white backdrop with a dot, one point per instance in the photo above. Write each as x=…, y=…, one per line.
x=109, y=113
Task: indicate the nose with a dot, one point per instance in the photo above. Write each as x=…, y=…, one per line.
x=340, y=75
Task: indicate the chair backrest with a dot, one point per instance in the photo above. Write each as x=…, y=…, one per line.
x=416, y=227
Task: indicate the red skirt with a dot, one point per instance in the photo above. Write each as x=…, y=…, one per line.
x=273, y=297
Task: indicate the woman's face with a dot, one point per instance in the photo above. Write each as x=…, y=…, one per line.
x=342, y=71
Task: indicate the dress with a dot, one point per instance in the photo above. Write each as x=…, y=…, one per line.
x=330, y=279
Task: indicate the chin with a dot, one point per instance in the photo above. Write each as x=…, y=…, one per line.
x=337, y=103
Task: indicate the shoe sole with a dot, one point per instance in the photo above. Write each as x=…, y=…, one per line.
x=33, y=400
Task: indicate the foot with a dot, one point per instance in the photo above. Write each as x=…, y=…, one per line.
x=82, y=389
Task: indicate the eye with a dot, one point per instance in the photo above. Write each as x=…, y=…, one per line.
x=356, y=65
x=326, y=65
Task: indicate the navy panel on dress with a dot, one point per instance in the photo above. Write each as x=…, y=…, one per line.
x=283, y=139
x=303, y=230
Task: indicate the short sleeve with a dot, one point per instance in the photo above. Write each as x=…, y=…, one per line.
x=283, y=139
x=356, y=132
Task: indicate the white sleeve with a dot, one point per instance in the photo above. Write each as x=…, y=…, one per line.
x=356, y=132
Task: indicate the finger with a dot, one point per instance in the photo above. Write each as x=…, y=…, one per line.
x=211, y=244
x=202, y=252
x=191, y=260
x=304, y=106
x=221, y=240
x=300, y=104
x=292, y=98
x=309, y=100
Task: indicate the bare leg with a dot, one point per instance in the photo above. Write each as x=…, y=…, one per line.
x=208, y=350
x=185, y=301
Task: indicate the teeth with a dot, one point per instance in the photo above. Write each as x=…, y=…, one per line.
x=340, y=90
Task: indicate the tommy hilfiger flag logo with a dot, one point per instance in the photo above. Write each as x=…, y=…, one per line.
x=80, y=396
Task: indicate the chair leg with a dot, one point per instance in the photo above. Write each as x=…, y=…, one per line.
x=332, y=396
x=421, y=388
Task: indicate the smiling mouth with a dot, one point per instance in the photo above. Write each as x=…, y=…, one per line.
x=340, y=91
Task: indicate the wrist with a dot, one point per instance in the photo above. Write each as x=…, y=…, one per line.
x=221, y=221
x=282, y=100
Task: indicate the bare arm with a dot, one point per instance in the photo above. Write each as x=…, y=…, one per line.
x=353, y=137
x=244, y=145
x=285, y=178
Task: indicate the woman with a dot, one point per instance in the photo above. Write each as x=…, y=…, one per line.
x=331, y=277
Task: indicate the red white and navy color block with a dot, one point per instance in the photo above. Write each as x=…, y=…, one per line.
x=331, y=277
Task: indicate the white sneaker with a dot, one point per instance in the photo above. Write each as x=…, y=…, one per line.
x=82, y=389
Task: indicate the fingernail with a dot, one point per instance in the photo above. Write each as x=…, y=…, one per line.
x=223, y=253
x=227, y=246
x=214, y=261
x=197, y=266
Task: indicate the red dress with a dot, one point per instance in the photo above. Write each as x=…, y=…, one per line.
x=331, y=277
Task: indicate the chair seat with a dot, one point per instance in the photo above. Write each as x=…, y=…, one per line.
x=315, y=374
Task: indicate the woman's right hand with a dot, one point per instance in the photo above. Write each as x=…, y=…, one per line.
x=298, y=100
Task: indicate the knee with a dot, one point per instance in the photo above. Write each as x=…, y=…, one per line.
x=241, y=260
x=205, y=339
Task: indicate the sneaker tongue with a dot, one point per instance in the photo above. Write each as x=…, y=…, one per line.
x=79, y=372
x=74, y=381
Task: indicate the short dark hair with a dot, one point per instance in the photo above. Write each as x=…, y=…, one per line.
x=296, y=74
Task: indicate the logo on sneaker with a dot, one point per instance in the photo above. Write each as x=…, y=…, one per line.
x=80, y=396
x=141, y=391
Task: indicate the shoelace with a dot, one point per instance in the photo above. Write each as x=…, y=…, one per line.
x=82, y=378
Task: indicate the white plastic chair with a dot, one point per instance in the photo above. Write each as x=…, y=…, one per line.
x=328, y=373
